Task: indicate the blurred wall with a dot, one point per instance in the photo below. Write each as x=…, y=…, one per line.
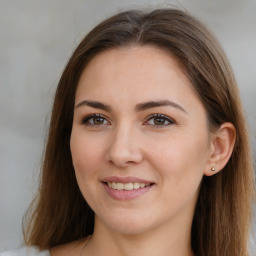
x=36, y=39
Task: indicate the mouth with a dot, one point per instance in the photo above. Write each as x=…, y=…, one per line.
x=127, y=186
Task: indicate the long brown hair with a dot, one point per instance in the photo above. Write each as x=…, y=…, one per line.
x=221, y=223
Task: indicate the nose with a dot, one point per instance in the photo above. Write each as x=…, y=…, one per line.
x=124, y=149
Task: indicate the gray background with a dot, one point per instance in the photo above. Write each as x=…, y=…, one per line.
x=36, y=39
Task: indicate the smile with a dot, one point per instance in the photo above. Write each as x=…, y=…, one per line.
x=127, y=186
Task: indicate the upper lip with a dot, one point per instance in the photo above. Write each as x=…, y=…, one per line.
x=126, y=180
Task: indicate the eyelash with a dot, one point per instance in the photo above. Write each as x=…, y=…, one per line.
x=86, y=120
x=160, y=116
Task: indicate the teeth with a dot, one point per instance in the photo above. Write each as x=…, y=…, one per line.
x=126, y=186
x=119, y=186
x=136, y=185
x=114, y=185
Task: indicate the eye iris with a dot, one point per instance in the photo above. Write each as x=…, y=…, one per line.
x=159, y=120
x=98, y=120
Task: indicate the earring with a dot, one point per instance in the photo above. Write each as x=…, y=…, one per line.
x=213, y=169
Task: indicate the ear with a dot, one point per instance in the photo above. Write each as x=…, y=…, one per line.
x=221, y=148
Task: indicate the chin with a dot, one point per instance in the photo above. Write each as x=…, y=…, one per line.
x=133, y=229
x=128, y=224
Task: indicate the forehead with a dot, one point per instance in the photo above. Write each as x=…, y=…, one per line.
x=140, y=73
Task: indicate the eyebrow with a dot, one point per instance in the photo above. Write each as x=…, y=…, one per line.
x=153, y=104
x=139, y=107
x=94, y=104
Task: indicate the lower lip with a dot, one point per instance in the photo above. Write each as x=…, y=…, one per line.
x=126, y=194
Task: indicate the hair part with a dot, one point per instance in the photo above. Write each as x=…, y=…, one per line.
x=223, y=212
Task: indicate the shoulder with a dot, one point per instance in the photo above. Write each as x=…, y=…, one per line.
x=26, y=251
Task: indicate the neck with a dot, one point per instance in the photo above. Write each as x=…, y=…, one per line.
x=155, y=242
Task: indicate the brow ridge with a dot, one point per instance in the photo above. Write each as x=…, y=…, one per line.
x=153, y=104
x=94, y=104
x=139, y=107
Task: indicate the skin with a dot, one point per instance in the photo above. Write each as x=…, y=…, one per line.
x=173, y=152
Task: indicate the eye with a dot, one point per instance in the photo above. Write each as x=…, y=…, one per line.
x=95, y=120
x=159, y=120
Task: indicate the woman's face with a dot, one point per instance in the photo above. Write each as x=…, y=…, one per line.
x=140, y=142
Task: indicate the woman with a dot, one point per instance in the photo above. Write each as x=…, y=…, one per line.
x=148, y=151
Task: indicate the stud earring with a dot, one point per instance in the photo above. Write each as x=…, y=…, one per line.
x=213, y=169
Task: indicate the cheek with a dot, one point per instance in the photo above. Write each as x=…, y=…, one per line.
x=85, y=154
x=86, y=157
x=181, y=160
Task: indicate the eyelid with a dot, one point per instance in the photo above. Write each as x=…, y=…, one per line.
x=85, y=119
x=170, y=120
x=158, y=115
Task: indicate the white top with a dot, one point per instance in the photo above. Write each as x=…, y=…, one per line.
x=26, y=251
